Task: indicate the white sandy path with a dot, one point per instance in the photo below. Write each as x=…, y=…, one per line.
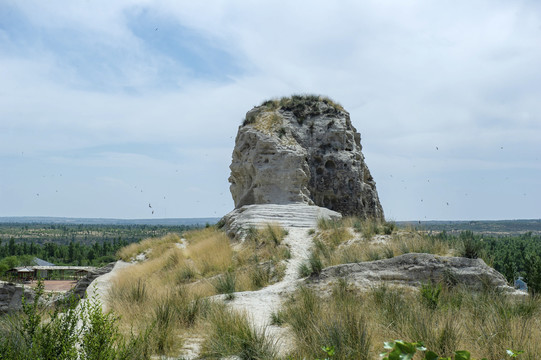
x=260, y=304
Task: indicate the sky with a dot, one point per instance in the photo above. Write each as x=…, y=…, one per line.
x=129, y=109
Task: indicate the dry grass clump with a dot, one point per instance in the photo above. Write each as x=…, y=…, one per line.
x=210, y=252
x=165, y=293
x=336, y=242
x=129, y=252
x=356, y=324
x=302, y=107
x=229, y=333
x=260, y=257
x=318, y=322
x=269, y=122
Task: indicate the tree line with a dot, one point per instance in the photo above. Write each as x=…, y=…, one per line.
x=512, y=256
x=78, y=245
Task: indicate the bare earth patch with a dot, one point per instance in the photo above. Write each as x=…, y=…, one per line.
x=55, y=285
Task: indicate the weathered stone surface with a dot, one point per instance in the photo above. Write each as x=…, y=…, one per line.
x=415, y=269
x=11, y=296
x=302, y=149
x=79, y=289
x=291, y=215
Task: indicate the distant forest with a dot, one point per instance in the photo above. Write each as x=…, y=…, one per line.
x=490, y=227
x=72, y=244
x=512, y=255
x=511, y=247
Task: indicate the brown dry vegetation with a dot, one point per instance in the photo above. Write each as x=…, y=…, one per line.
x=353, y=240
x=357, y=324
x=166, y=294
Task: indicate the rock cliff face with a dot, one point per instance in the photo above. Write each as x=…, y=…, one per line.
x=11, y=296
x=302, y=149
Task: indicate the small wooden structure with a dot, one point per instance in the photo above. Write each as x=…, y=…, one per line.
x=24, y=273
x=27, y=273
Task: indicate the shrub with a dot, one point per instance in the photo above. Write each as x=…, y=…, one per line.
x=225, y=284
x=316, y=266
x=72, y=332
x=471, y=246
x=304, y=270
x=389, y=227
x=277, y=318
x=402, y=350
x=430, y=294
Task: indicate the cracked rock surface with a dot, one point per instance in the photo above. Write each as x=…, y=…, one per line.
x=302, y=149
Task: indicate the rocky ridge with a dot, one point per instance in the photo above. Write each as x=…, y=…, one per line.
x=288, y=215
x=414, y=270
x=11, y=296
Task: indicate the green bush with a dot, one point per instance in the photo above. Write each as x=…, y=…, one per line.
x=68, y=332
x=471, y=246
x=430, y=294
x=403, y=350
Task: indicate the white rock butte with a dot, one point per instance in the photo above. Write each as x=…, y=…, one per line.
x=302, y=149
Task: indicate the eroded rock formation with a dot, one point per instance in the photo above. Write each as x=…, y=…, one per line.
x=415, y=269
x=11, y=296
x=302, y=149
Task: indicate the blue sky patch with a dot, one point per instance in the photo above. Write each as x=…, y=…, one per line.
x=163, y=35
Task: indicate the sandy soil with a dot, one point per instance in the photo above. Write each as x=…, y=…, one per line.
x=259, y=305
x=55, y=285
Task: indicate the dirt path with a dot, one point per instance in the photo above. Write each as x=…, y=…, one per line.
x=260, y=304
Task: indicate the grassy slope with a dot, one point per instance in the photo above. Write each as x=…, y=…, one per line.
x=169, y=291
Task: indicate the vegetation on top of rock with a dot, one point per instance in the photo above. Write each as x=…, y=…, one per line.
x=302, y=106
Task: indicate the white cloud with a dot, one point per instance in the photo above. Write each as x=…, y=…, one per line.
x=462, y=76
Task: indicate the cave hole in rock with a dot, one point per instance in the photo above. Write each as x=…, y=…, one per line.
x=329, y=164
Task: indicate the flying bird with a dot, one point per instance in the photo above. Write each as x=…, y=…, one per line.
x=437, y=148
x=149, y=205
